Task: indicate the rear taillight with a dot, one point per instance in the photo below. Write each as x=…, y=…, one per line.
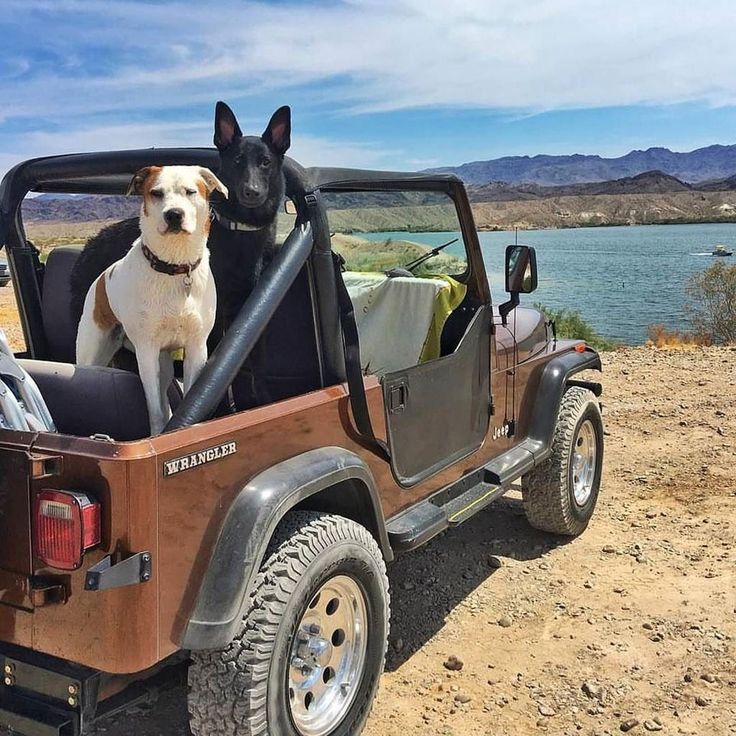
x=66, y=523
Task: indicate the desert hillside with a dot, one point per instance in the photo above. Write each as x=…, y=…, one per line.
x=607, y=209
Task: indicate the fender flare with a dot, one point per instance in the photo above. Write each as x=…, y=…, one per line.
x=249, y=526
x=555, y=378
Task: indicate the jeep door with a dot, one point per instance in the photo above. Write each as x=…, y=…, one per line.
x=413, y=269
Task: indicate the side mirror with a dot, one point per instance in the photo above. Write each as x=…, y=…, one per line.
x=521, y=269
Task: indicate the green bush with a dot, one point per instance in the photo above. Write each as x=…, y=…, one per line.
x=571, y=324
x=712, y=303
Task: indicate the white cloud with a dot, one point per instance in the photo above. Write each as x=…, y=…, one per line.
x=315, y=151
x=308, y=150
x=124, y=60
x=123, y=136
x=105, y=138
x=392, y=54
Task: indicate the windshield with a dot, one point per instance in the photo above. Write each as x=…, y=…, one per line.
x=382, y=230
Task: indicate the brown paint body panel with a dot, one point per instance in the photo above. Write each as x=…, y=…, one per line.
x=113, y=630
x=16, y=626
x=177, y=518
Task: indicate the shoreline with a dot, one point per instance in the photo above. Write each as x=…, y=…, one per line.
x=593, y=225
x=523, y=228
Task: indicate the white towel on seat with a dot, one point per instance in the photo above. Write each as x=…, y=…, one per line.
x=393, y=317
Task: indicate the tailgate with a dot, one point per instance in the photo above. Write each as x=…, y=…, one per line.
x=50, y=609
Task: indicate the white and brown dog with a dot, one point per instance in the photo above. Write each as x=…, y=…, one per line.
x=161, y=295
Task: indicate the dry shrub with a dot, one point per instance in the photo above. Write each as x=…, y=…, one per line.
x=660, y=337
x=712, y=303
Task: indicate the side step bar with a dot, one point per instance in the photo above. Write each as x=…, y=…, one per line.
x=471, y=502
x=461, y=500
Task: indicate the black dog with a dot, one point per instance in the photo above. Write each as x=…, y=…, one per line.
x=244, y=231
x=242, y=236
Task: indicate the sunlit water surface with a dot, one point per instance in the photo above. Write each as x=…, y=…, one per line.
x=621, y=279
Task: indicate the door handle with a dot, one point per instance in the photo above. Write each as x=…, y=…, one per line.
x=397, y=397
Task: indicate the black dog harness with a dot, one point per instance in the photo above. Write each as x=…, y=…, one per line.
x=234, y=225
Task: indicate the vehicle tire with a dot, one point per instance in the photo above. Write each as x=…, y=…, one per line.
x=560, y=495
x=312, y=645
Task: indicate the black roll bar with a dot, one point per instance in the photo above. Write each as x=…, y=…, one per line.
x=242, y=335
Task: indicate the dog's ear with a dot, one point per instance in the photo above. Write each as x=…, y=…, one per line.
x=212, y=182
x=278, y=132
x=140, y=176
x=226, y=126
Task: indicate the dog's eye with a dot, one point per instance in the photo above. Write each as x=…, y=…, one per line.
x=265, y=162
x=157, y=193
x=190, y=192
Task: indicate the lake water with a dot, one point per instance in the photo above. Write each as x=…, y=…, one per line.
x=621, y=279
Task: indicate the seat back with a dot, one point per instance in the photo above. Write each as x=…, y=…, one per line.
x=87, y=400
x=291, y=353
x=58, y=323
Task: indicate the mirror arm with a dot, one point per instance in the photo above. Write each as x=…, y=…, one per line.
x=506, y=307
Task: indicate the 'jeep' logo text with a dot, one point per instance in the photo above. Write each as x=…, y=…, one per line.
x=172, y=467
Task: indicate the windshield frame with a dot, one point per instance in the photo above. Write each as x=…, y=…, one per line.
x=475, y=276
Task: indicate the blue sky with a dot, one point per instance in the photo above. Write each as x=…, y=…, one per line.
x=374, y=83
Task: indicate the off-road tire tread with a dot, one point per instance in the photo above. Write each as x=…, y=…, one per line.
x=544, y=489
x=228, y=688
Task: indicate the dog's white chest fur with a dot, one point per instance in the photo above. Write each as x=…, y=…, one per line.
x=166, y=312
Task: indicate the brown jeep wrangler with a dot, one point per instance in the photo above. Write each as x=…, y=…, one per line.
x=251, y=548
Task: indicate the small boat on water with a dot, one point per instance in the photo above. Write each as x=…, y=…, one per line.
x=721, y=250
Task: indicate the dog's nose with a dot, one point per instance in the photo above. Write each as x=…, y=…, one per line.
x=251, y=192
x=174, y=216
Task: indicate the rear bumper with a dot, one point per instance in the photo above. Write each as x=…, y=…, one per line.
x=45, y=696
x=29, y=717
x=49, y=696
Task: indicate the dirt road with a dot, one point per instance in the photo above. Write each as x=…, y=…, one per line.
x=630, y=627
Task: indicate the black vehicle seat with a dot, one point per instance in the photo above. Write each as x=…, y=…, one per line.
x=292, y=359
x=87, y=400
x=60, y=328
x=291, y=338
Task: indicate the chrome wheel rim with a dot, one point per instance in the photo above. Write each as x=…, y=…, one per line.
x=583, y=462
x=327, y=657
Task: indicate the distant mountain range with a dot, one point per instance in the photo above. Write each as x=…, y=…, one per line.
x=650, y=182
x=647, y=198
x=703, y=164
x=59, y=208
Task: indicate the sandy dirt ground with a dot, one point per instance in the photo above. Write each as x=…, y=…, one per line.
x=629, y=628
x=9, y=318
